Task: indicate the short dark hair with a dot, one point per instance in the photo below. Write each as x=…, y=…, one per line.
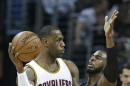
x=46, y=30
x=127, y=66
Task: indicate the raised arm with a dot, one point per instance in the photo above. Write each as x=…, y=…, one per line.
x=110, y=72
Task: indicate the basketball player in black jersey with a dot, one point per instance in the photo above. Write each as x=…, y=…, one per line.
x=102, y=66
x=52, y=48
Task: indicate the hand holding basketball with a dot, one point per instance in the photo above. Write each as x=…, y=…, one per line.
x=18, y=64
x=25, y=46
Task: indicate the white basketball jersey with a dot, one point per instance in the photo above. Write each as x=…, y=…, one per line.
x=62, y=77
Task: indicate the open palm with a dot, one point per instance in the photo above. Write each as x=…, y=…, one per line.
x=109, y=23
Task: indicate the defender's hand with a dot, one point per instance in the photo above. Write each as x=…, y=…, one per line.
x=14, y=58
x=109, y=23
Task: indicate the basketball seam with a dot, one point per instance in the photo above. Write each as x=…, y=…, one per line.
x=27, y=52
x=25, y=44
x=26, y=59
x=19, y=40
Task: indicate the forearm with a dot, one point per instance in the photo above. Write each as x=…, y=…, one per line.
x=109, y=42
x=110, y=71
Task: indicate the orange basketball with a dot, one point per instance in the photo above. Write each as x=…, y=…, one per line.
x=27, y=44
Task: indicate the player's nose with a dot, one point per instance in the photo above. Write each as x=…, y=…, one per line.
x=92, y=59
x=62, y=44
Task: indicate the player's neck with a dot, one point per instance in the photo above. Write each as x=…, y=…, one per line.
x=92, y=78
x=44, y=58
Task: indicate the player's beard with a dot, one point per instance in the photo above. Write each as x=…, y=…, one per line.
x=95, y=71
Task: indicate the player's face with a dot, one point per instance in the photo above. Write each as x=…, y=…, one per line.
x=56, y=45
x=96, y=62
x=125, y=77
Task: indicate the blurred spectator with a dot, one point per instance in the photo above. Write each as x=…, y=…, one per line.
x=125, y=75
x=88, y=18
x=61, y=6
x=125, y=12
x=82, y=4
x=123, y=24
x=98, y=29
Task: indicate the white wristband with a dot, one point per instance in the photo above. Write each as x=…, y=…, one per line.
x=23, y=80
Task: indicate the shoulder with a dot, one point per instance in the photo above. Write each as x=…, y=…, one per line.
x=72, y=67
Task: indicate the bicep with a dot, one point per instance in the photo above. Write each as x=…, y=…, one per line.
x=104, y=82
x=75, y=75
x=74, y=72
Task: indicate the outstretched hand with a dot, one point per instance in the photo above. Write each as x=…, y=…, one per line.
x=109, y=23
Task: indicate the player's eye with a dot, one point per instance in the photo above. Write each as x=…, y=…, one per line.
x=57, y=40
x=60, y=39
x=98, y=57
x=126, y=76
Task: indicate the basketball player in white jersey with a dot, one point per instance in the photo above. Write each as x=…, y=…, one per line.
x=48, y=69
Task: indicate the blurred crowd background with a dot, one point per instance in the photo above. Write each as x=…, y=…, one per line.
x=81, y=22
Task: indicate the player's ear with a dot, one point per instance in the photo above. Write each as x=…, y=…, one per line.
x=44, y=42
x=121, y=77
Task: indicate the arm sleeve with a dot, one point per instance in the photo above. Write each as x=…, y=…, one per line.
x=110, y=71
x=23, y=80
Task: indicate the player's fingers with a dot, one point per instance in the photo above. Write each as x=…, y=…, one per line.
x=9, y=50
x=12, y=50
x=19, y=63
x=10, y=46
x=106, y=19
x=16, y=55
x=112, y=21
x=116, y=13
x=113, y=14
